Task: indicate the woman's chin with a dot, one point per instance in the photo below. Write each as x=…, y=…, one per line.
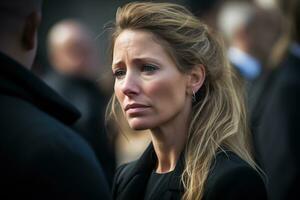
x=138, y=125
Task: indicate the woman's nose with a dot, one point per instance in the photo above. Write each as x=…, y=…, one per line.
x=130, y=85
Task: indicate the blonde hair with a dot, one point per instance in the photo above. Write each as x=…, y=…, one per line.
x=218, y=115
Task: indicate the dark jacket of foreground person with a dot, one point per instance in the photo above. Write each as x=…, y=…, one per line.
x=40, y=156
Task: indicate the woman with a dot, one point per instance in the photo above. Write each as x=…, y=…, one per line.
x=172, y=77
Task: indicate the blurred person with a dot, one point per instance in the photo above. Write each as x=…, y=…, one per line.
x=73, y=55
x=277, y=141
x=172, y=77
x=41, y=157
x=251, y=33
x=72, y=50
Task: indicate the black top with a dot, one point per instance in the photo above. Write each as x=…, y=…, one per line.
x=40, y=156
x=156, y=180
x=230, y=178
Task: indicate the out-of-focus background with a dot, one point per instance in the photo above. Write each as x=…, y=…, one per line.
x=73, y=58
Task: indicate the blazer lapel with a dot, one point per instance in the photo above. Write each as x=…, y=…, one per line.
x=140, y=174
x=138, y=178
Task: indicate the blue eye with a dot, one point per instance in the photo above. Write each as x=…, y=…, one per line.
x=149, y=68
x=119, y=73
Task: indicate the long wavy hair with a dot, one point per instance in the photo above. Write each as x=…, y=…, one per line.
x=218, y=115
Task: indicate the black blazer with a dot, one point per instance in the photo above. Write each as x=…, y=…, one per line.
x=40, y=156
x=229, y=178
x=277, y=138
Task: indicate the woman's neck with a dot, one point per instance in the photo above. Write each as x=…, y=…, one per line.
x=168, y=143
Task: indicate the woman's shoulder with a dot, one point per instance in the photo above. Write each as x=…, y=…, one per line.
x=226, y=160
x=230, y=177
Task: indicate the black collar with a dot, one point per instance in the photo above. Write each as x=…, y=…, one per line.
x=147, y=163
x=17, y=81
x=139, y=175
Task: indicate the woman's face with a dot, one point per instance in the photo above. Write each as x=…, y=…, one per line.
x=150, y=89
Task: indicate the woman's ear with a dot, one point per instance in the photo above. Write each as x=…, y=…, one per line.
x=196, y=78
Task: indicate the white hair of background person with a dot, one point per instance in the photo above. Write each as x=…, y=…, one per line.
x=234, y=15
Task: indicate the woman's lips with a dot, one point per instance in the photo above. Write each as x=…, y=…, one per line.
x=135, y=108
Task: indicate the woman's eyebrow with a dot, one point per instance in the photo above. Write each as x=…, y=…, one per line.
x=116, y=64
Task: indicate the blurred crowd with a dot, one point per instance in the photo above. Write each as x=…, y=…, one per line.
x=263, y=46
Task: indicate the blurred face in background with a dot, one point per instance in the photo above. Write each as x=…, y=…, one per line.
x=72, y=49
x=148, y=85
x=73, y=55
